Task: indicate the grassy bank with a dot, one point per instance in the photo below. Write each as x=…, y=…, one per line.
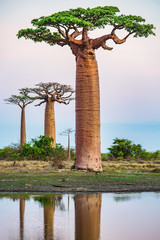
x=116, y=176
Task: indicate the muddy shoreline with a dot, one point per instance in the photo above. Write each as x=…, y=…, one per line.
x=118, y=176
x=83, y=189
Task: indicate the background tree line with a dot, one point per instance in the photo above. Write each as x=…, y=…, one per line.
x=41, y=148
x=127, y=150
x=47, y=93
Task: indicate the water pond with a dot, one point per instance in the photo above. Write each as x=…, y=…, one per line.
x=108, y=216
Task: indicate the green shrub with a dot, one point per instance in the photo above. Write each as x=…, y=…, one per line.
x=41, y=148
x=104, y=156
x=16, y=156
x=59, y=152
x=72, y=154
x=33, y=152
x=156, y=155
x=125, y=149
x=121, y=148
x=38, y=149
x=8, y=151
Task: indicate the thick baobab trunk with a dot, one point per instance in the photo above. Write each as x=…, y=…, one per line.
x=88, y=154
x=49, y=128
x=23, y=128
x=87, y=216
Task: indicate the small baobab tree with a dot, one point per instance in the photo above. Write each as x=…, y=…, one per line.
x=71, y=28
x=21, y=100
x=49, y=93
x=68, y=132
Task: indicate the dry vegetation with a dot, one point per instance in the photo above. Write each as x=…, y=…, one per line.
x=108, y=166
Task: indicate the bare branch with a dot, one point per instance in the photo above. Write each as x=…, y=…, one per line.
x=53, y=91
x=120, y=26
x=85, y=38
x=105, y=47
x=60, y=101
x=76, y=33
x=40, y=103
x=98, y=42
x=29, y=102
x=61, y=31
x=21, y=106
x=39, y=92
x=66, y=97
x=120, y=41
x=72, y=40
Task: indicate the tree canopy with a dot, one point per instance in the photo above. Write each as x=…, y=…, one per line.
x=54, y=91
x=124, y=148
x=68, y=25
x=22, y=100
x=67, y=132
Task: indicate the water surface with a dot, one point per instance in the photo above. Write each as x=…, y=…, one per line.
x=106, y=216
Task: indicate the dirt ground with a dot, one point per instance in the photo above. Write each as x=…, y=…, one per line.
x=41, y=176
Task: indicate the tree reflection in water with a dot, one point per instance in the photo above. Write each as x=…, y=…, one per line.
x=48, y=203
x=81, y=218
x=22, y=209
x=87, y=216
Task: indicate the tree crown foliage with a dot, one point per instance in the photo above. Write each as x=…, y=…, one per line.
x=22, y=100
x=67, y=132
x=68, y=25
x=52, y=91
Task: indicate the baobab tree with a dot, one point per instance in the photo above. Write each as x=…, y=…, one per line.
x=49, y=93
x=71, y=28
x=21, y=100
x=67, y=133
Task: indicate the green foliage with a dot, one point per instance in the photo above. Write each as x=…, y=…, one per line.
x=134, y=24
x=41, y=148
x=121, y=148
x=38, y=149
x=9, y=152
x=50, y=200
x=43, y=142
x=79, y=18
x=22, y=100
x=72, y=152
x=39, y=34
x=16, y=156
x=59, y=152
x=104, y=156
x=156, y=155
x=33, y=152
x=125, y=149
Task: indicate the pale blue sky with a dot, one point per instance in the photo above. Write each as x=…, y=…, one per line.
x=129, y=74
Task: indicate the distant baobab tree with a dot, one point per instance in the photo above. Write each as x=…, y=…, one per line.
x=67, y=26
x=49, y=93
x=21, y=100
x=68, y=132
